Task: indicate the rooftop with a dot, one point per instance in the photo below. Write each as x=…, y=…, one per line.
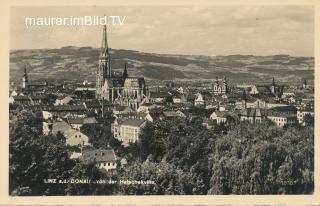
x=98, y=155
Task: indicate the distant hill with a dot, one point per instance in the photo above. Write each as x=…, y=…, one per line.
x=70, y=63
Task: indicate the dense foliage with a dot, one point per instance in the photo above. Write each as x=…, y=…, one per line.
x=180, y=156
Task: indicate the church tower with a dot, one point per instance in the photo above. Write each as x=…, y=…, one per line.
x=125, y=72
x=273, y=86
x=104, y=68
x=244, y=99
x=25, y=78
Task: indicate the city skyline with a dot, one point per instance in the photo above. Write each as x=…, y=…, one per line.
x=211, y=31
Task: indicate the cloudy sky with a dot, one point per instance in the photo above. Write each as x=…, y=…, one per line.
x=197, y=30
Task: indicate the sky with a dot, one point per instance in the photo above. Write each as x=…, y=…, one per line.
x=191, y=30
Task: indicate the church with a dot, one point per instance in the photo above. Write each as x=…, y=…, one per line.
x=118, y=89
x=220, y=86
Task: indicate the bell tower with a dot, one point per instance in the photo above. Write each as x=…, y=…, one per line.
x=25, y=78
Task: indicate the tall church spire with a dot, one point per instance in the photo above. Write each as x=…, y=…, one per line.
x=104, y=59
x=125, y=72
x=104, y=43
x=273, y=82
x=25, y=77
x=104, y=69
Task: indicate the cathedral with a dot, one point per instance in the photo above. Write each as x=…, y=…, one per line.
x=118, y=89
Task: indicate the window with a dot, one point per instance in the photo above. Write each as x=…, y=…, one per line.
x=108, y=163
x=104, y=164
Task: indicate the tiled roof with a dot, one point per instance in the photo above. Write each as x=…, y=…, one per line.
x=64, y=128
x=253, y=112
x=98, y=155
x=159, y=94
x=133, y=122
x=61, y=108
x=78, y=120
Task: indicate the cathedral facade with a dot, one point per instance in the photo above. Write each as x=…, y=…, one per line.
x=118, y=89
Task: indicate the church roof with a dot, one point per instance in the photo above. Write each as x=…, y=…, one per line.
x=253, y=112
x=114, y=81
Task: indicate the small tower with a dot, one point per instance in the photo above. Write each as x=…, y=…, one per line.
x=273, y=86
x=225, y=85
x=244, y=99
x=25, y=78
x=125, y=72
x=304, y=85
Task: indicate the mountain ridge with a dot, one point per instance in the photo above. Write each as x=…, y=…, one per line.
x=81, y=62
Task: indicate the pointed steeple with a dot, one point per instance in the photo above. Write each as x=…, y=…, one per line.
x=104, y=68
x=25, y=77
x=104, y=43
x=125, y=72
x=244, y=99
x=25, y=74
x=244, y=95
x=273, y=82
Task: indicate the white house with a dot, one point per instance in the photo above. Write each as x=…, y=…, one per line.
x=73, y=137
x=102, y=158
x=302, y=113
x=127, y=130
x=199, y=100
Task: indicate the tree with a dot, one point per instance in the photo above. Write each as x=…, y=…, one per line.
x=308, y=120
x=35, y=158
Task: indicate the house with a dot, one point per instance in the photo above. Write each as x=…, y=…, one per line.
x=219, y=117
x=282, y=116
x=127, y=130
x=73, y=137
x=253, y=115
x=199, y=100
x=302, y=113
x=122, y=110
x=179, y=98
x=135, y=115
x=158, y=97
x=26, y=100
x=281, y=120
x=253, y=90
x=77, y=122
x=145, y=107
x=47, y=115
x=207, y=123
x=64, y=100
x=102, y=158
x=173, y=114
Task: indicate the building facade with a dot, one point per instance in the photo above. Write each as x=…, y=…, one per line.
x=220, y=86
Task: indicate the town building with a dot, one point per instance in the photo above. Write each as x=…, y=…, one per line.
x=301, y=114
x=102, y=158
x=199, y=100
x=73, y=137
x=127, y=130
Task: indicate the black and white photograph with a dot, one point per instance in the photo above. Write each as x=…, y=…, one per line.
x=117, y=100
